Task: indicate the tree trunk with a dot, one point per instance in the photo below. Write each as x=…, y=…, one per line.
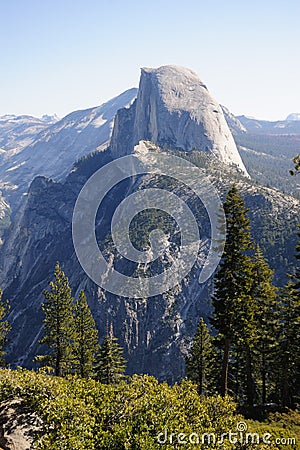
x=58, y=362
x=237, y=377
x=285, y=393
x=264, y=381
x=249, y=378
x=225, y=368
x=200, y=386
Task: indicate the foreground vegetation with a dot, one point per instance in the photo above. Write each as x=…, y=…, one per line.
x=137, y=414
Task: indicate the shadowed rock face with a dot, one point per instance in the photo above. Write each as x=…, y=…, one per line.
x=175, y=108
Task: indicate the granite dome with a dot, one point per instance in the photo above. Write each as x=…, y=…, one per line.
x=174, y=107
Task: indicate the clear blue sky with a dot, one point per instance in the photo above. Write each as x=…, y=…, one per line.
x=59, y=56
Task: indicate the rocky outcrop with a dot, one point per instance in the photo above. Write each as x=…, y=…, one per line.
x=235, y=126
x=174, y=108
x=19, y=428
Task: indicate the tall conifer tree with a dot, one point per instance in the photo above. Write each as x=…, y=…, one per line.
x=232, y=301
x=266, y=321
x=288, y=358
x=289, y=346
x=59, y=330
x=202, y=362
x=289, y=350
x=110, y=365
x=86, y=337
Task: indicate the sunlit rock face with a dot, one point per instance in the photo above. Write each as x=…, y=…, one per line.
x=174, y=108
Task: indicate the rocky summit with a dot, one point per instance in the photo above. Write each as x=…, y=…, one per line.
x=175, y=109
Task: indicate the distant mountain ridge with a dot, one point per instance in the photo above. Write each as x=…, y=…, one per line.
x=267, y=149
x=17, y=132
x=288, y=126
x=293, y=116
x=50, y=148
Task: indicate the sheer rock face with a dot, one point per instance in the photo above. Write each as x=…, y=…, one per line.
x=174, y=108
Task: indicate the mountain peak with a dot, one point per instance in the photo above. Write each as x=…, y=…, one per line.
x=293, y=116
x=177, y=84
x=50, y=118
x=173, y=72
x=174, y=108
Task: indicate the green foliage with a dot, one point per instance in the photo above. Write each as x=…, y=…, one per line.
x=110, y=365
x=86, y=337
x=87, y=164
x=59, y=328
x=259, y=335
x=4, y=327
x=232, y=300
x=70, y=332
x=233, y=282
x=284, y=429
x=202, y=364
x=288, y=353
x=266, y=325
x=83, y=414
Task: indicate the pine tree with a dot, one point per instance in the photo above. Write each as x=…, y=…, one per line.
x=289, y=346
x=266, y=321
x=289, y=342
x=110, y=365
x=202, y=361
x=288, y=382
x=4, y=327
x=59, y=328
x=86, y=337
x=233, y=304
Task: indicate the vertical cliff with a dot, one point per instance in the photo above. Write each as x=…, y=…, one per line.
x=175, y=109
